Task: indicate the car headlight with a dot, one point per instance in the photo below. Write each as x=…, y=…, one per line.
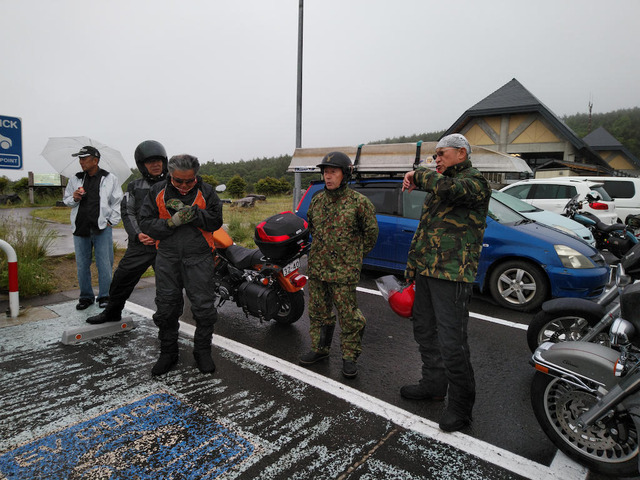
x=571, y=258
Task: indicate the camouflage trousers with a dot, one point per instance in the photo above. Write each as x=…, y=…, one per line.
x=322, y=298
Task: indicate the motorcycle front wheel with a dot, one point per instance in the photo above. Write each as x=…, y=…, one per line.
x=291, y=307
x=610, y=446
x=562, y=327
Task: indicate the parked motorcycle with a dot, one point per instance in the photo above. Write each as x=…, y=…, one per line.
x=633, y=224
x=617, y=238
x=586, y=396
x=564, y=319
x=265, y=281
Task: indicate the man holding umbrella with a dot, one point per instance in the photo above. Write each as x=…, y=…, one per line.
x=94, y=196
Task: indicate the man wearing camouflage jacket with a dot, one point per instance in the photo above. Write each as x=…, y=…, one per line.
x=443, y=261
x=344, y=229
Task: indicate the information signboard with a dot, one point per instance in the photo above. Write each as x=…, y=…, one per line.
x=10, y=142
x=47, y=180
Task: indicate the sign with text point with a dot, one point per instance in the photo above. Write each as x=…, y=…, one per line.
x=10, y=142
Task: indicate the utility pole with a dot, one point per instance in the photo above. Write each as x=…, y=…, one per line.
x=297, y=175
x=590, y=107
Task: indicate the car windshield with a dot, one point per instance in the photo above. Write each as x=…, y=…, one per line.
x=514, y=203
x=501, y=213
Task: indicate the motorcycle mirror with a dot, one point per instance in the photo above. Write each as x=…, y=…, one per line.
x=221, y=188
x=622, y=279
x=572, y=202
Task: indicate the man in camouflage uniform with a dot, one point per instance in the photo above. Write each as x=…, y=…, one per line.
x=443, y=260
x=344, y=229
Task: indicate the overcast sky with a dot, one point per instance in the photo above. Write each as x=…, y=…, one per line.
x=217, y=79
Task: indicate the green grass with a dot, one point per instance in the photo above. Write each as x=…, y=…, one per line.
x=241, y=222
x=30, y=239
x=53, y=214
x=58, y=215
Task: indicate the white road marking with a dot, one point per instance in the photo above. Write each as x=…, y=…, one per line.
x=561, y=467
x=479, y=316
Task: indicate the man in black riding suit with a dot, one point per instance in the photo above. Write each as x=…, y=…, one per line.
x=182, y=214
x=151, y=159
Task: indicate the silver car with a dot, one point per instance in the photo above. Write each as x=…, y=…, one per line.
x=545, y=217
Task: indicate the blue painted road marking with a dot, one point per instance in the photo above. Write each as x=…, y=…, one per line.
x=156, y=437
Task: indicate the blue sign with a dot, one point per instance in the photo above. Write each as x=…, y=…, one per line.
x=10, y=142
x=156, y=437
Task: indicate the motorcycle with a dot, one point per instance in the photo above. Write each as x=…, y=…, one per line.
x=265, y=282
x=586, y=396
x=571, y=319
x=616, y=239
x=633, y=224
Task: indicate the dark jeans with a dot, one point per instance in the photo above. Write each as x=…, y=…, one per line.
x=440, y=317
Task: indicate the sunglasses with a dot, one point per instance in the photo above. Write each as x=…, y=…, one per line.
x=440, y=153
x=180, y=181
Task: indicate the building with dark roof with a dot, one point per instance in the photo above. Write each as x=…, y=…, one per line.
x=513, y=121
x=612, y=151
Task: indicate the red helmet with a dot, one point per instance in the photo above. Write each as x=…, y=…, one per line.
x=401, y=301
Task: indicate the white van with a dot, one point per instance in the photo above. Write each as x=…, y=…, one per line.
x=624, y=190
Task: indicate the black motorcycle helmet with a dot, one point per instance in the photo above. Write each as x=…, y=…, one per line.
x=338, y=160
x=149, y=150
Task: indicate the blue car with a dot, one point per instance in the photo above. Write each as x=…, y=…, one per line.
x=522, y=264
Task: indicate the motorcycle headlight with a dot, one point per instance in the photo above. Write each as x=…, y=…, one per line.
x=571, y=258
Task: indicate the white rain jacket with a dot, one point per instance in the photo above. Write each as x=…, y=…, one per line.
x=110, y=198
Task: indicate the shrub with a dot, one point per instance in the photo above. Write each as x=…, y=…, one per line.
x=272, y=186
x=211, y=180
x=21, y=186
x=237, y=186
x=30, y=239
x=4, y=183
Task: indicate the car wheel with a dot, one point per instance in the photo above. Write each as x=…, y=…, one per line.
x=518, y=285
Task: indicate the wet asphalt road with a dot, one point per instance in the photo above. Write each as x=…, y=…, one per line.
x=390, y=359
x=502, y=414
x=500, y=356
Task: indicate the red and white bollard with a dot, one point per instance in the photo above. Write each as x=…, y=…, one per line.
x=12, y=260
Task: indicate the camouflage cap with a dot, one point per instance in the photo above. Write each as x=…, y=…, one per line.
x=454, y=140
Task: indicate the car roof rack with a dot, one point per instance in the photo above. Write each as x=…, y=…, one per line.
x=399, y=158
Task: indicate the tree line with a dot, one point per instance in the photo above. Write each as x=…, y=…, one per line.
x=623, y=125
x=268, y=175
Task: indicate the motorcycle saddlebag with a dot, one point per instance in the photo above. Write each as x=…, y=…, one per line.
x=258, y=301
x=281, y=236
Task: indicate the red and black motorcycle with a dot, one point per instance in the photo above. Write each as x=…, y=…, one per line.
x=266, y=281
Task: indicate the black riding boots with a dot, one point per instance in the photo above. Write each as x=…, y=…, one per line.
x=324, y=344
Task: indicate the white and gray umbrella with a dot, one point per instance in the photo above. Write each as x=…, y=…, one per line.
x=58, y=151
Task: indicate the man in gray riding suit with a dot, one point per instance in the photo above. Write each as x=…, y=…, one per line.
x=151, y=159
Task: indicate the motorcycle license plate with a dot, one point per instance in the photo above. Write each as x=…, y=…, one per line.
x=292, y=267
